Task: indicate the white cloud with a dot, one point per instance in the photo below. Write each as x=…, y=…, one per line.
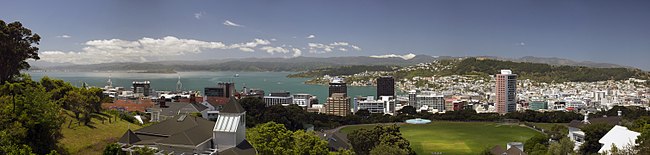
x=229, y=23
x=248, y=46
x=522, y=44
x=296, y=52
x=198, y=15
x=273, y=50
x=405, y=56
x=311, y=36
x=336, y=46
x=117, y=50
x=64, y=36
x=170, y=47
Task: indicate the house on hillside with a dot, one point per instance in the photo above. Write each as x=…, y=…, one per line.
x=185, y=134
x=618, y=136
x=577, y=136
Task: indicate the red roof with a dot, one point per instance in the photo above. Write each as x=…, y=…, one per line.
x=217, y=100
x=129, y=105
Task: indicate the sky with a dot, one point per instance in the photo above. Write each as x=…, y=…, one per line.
x=88, y=32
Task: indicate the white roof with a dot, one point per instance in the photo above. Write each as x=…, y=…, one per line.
x=227, y=123
x=619, y=136
x=505, y=71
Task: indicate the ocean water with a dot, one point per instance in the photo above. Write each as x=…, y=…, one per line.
x=267, y=81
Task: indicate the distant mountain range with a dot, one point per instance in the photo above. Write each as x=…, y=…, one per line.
x=293, y=64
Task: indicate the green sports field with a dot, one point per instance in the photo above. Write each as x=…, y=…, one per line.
x=458, y=137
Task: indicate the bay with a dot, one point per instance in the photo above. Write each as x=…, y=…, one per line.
x=267, y=81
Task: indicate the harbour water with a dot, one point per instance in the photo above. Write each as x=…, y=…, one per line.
x=267, y=81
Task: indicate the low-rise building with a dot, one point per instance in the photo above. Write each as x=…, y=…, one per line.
x=278, y=98
x=304, y=100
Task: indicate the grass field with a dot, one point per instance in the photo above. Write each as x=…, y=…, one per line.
x=81, y=139
x=458, y=137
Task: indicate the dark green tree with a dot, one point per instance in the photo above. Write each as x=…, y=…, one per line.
x=593, y=133
x=145, y=151
x=383, y=149
x=536, y=144
x=254, y=109
x=16, y=46
x=364, y=113
x=28, y=118
x=644, y=141
x=112, y=149
x=562, y=147
x=364, y=140
x=305, y=143
x=270, y=138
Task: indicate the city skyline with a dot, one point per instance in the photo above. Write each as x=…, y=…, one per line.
x=82, y=32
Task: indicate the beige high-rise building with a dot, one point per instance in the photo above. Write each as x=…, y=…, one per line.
x=506, y=92
x=338, y=104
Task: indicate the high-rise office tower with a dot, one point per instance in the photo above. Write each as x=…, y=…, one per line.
x=338, y=85
x=506, y=92
x=385, y=86
x=338, y=104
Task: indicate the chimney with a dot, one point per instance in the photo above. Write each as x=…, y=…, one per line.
x=620, y=113
x=192, y=98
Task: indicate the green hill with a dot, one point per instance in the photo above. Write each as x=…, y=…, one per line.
x=545, y=72
x=91, y=139
x=526, y=70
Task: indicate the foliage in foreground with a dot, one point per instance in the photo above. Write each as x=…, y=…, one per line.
x=273, y=138
x=367, y=141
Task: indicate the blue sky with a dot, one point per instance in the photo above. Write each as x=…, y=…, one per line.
x=86, y=32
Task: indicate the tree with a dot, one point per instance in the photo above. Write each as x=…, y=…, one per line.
x=112, y=149
x=557, y=132
x=35, y=122
x=364, y=113
x=342, y=152
x=384, y=149
x=76, y=102
x=145, y=151
x=254, y=109
x=593, y=133
x=15, y=47
x=273, y=138
x=562, y=147
x=410, y=110
x=644, y=140
x=308, y=143
x=364, y=140
x=270, y=138
x=536, y=144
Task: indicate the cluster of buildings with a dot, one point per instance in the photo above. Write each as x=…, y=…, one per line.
x=219, y=114
x=504, y=92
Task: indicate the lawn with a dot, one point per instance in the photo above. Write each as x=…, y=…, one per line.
x=458, y=137
x=81, y=139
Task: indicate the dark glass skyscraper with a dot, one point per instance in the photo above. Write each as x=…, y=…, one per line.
x=223, y=89
x=385, y=86
x=338, y=85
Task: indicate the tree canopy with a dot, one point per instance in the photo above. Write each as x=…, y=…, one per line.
x=28, y=118
x=273, y=138
x=364, y=141
x=16, y=46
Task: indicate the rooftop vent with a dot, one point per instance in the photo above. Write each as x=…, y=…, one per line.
x=180, y=119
